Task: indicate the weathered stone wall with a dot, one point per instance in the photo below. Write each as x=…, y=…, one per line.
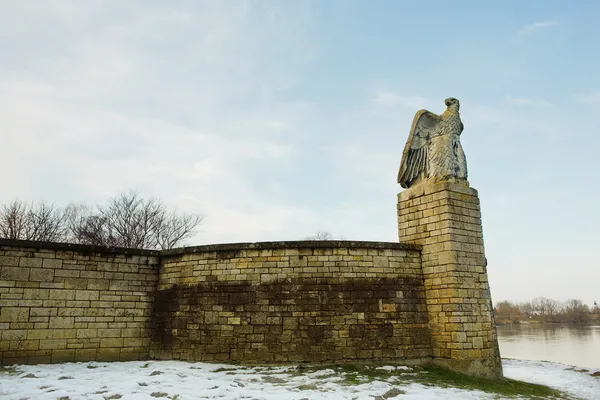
x=425, y=298
x=445, y=219
x=292, y=301
x=62, y=302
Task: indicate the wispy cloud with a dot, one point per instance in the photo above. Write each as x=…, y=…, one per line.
x=536, y=26
x=592, y=99
x=119, y=106
x=526, y=102
x=389, y=98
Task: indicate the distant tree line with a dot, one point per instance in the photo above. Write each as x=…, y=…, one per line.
x=545, y=310
x=124, y=221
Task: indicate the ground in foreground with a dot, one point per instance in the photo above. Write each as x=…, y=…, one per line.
x=172, y=380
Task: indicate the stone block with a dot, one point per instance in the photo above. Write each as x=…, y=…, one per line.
x=41, y=274
x=13, y=334
x=111, y=342
x=119, y=285
x=87, y=294
x=85, y=355
x=8, y=273
x=62, y=356
x=459, y=337
x=478, y=343
x=30, y=262
x=61, y=322
x=290, y=323
x=134, y=342
x=9, y=261
x=109, y=333
x=86, y=333
x=52, y=263
x=53, y=344
x=36, y=294
x=63, y=333
x=131, y=332
x=98, y=284
x=388, y=308
x=129, y=355
x=52, y=285
x=39, y=334
x=14, y=314
x=76, y=283
x=25, y=347
x=78, y=303
x=30, y=303
x=259, y=318
x=62, y=294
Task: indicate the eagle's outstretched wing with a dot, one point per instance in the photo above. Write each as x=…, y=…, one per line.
x=414, y=156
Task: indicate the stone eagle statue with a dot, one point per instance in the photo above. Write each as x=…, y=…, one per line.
x=433, y=148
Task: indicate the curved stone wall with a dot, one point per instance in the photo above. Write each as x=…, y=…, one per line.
x=291, y=302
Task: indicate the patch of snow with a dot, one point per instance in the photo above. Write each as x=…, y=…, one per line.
x=183, y=381
x=394, y=368
x=572, y=380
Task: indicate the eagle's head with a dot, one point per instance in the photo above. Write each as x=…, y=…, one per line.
x=451, y=101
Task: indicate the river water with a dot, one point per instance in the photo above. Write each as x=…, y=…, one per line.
x=577, y=345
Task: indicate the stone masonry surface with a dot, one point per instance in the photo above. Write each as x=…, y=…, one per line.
x=326, y=303
x=251, y=302
x=445, y=219
x=63, y=302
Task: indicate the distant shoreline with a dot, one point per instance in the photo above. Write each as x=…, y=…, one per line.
x=594, y=321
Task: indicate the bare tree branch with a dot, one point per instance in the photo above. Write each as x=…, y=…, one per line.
x=320, y=235
x=41, y=221
x=47, y=223
x=13, y=220
x=177, y=228
x=130, y=221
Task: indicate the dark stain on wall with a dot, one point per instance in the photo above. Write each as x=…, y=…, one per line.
x=296, y=319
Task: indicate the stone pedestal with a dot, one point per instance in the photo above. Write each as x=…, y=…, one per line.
x=445, y=219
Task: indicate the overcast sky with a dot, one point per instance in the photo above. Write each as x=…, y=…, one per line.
x=280, y=118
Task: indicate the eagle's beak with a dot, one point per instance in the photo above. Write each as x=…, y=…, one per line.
x=447, y=102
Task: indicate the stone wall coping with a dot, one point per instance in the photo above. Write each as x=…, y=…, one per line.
x=296, y=244
x=299, y=244
x=82, y=248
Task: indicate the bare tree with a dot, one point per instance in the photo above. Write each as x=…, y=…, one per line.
x=83, y=226
x=540, y=305
x=36, y=221
x=320, y=235
x=549, y=308
x=507, y=311
x=527, y=308
x=552, y=306
x=125, y=221
x=13, y=220
x=176, y=228
x=576, y=311
x=47, y=223
x=130, y=221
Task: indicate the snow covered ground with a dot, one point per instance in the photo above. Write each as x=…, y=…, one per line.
x=579, y=382
x=172, y=380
